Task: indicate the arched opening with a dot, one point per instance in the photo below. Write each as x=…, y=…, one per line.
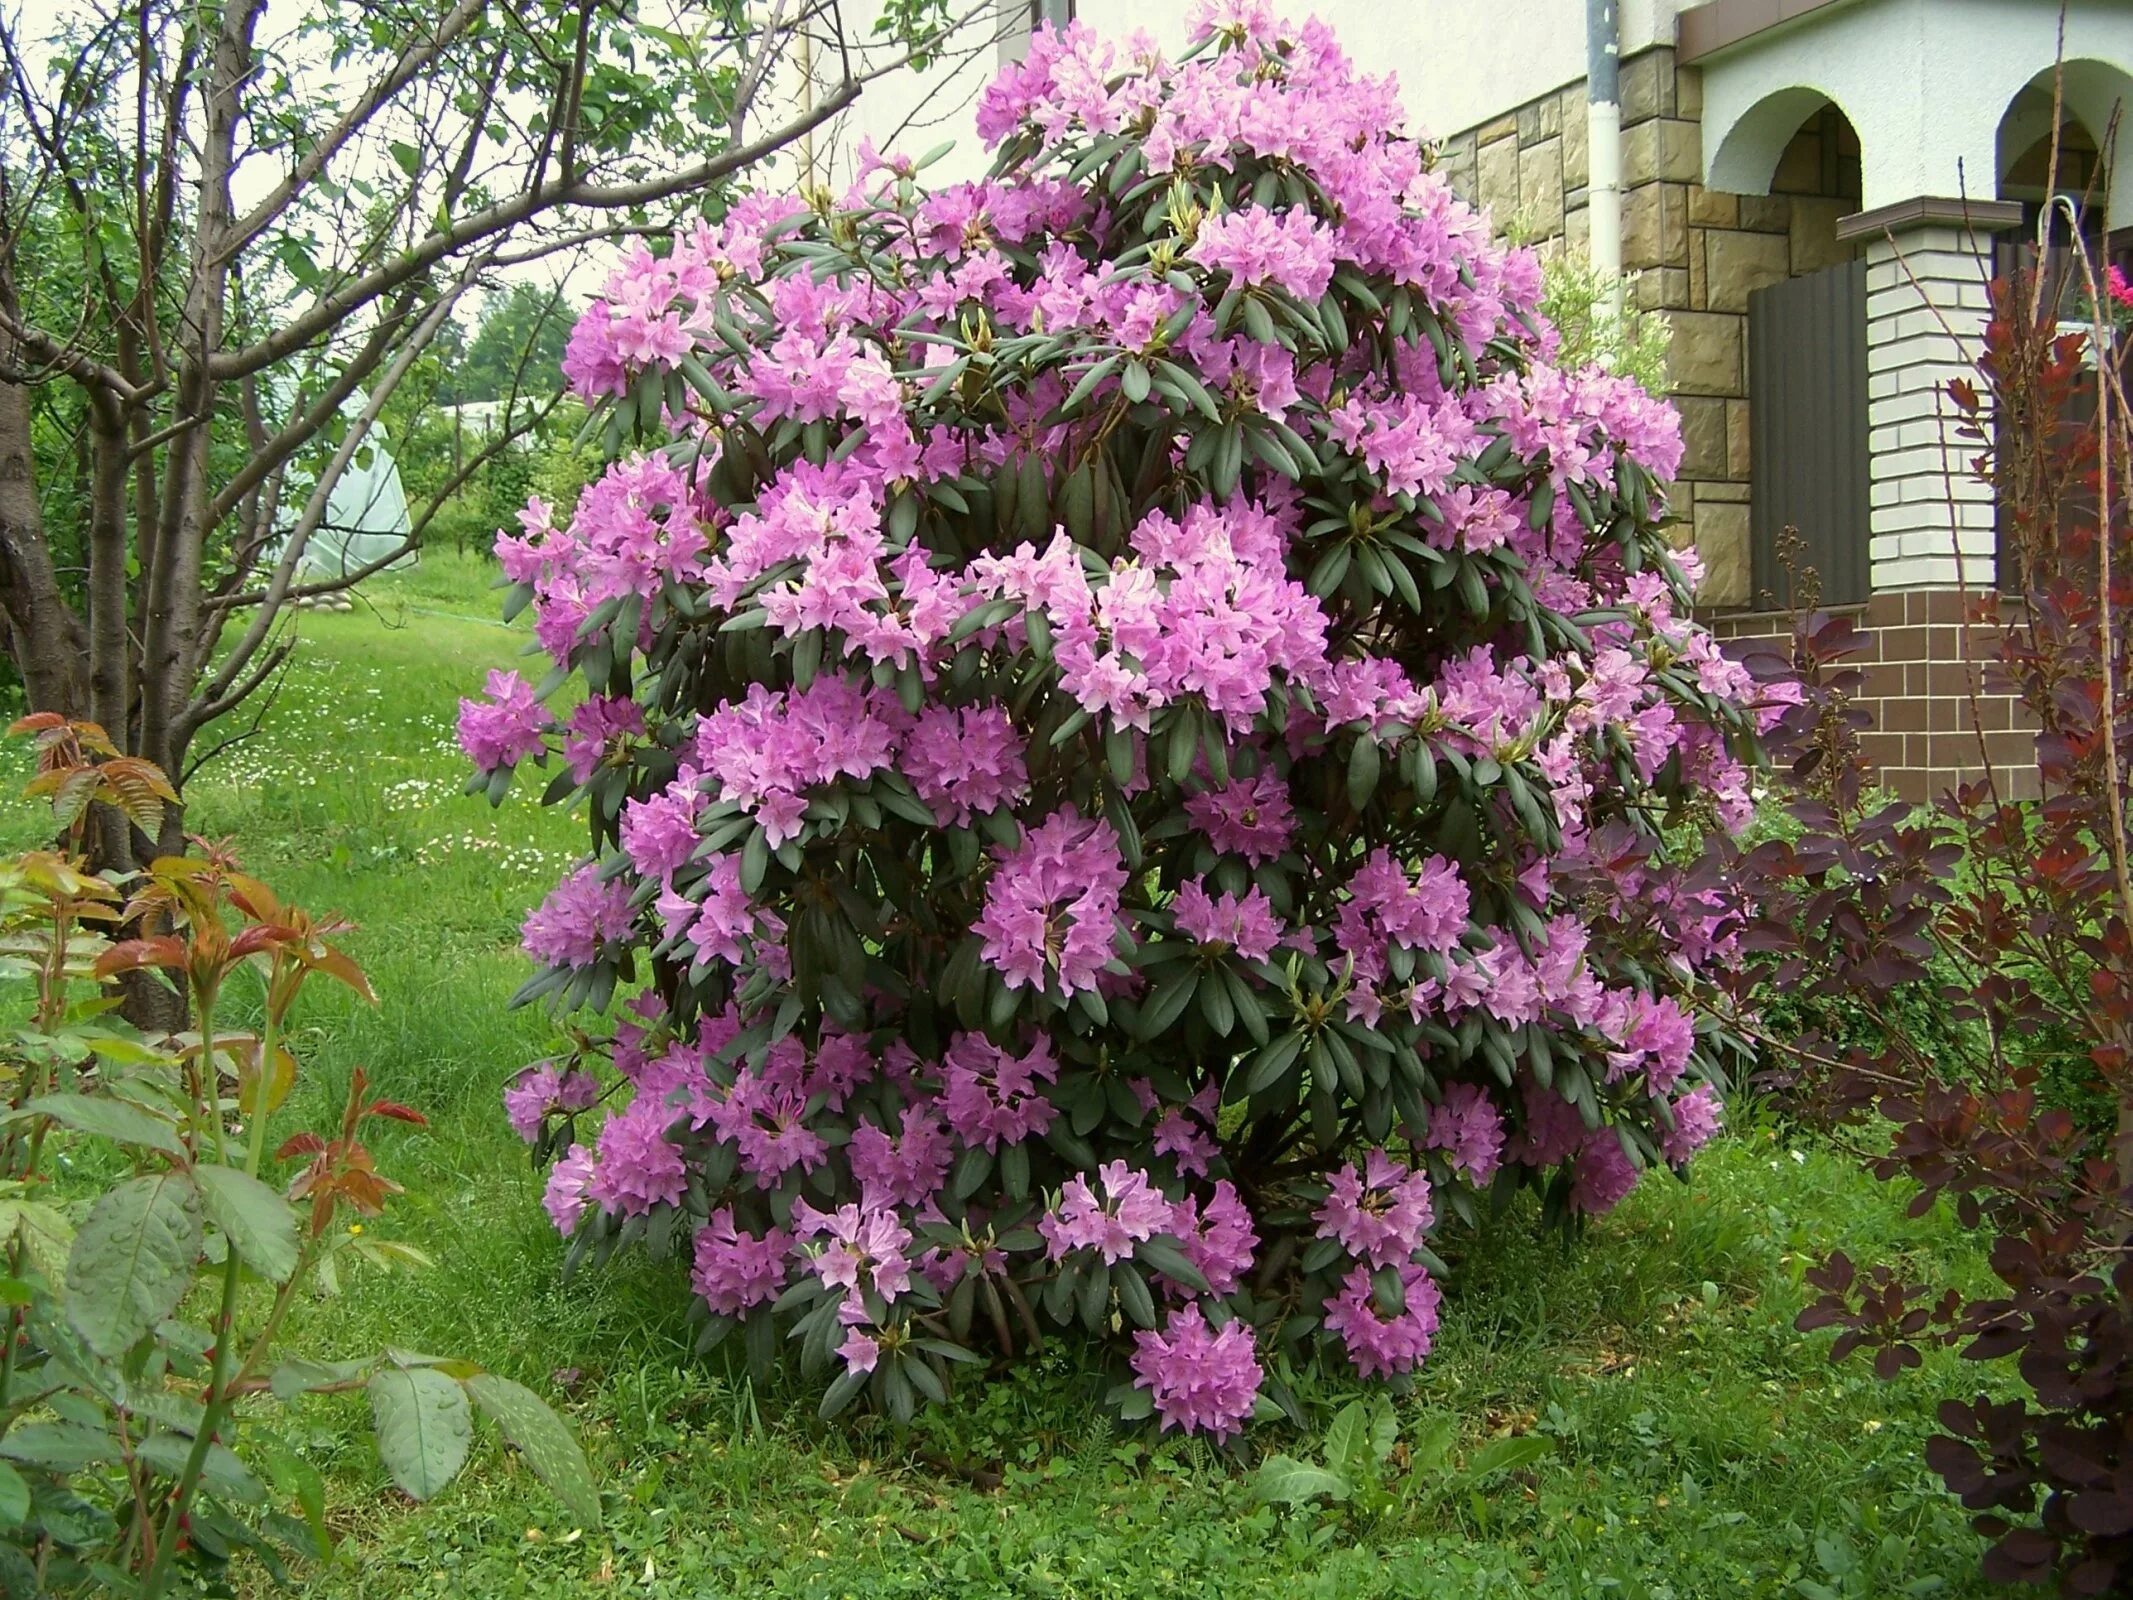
x=2037, y=163
x=2091, y=97
x=1797, y=143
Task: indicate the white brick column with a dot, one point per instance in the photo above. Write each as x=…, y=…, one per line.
x=1928, y=261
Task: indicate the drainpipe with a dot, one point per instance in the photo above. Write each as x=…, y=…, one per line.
x=1603, y=137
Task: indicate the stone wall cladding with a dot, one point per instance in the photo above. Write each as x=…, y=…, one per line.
x=1925, y=693
x=1696, y=255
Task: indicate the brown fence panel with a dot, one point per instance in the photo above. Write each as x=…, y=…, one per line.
x=1807, y=426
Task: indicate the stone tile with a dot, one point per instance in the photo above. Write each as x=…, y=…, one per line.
x=1663, y=147
x=1722, y=543
x=1813, y=234
x=1577, y=227
x=1655, y=226
x=1660, y=289
x=1705, y=356
x=1543, y=119
x=1737, y=264
x=1461, y=175
x=1703, y=436
x=1766, y=213
x=1699, y=271
x=1577, y=138
x=1496, y=180
x=1503, y=127
x=1738, y=454
x=1799, y=168
x=1712, y=208
x=1688, y=92
x=1540, y=188
x=1647, y=86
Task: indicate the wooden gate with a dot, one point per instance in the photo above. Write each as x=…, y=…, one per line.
x=1807, y=432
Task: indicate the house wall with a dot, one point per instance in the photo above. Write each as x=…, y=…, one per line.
x=1925, y=82
x=1696, y=255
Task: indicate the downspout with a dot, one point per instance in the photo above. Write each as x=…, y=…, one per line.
x=807, y=108
x=1603, y=131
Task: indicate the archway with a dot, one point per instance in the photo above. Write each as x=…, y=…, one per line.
x=2092, y=98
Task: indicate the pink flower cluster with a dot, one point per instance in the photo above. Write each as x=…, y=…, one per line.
x=1051, y=909
x=545, y=1091
x=582, y=915
x=1131, y=1211
x=508, y=727
x=1379, y=1215
x=1202, y=1380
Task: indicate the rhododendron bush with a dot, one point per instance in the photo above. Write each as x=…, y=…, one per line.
x=1130, y=722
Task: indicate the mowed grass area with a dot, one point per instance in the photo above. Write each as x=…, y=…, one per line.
x=1699, y=1446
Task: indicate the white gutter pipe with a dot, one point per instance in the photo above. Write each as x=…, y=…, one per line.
x=1603, y=129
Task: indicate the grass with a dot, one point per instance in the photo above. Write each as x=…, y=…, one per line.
x=1699, y=1446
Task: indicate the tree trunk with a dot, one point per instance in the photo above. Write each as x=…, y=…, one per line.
x=44, y=637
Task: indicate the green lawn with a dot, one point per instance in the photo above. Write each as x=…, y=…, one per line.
x=1699, y=1446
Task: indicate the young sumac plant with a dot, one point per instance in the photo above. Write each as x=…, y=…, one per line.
x=2013, y=1096
x=1133, y=724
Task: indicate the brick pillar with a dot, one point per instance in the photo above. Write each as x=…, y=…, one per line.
x=1927, y=264
x=1932, y=541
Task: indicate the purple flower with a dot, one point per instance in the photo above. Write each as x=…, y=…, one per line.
x=1247, y=925
x=906, y=1168
x=1381, y=1346
x=582, y=914
x=991, y=1098
x=1255, y=245
x=543, y=1091
x=1468, y=1128
x=1218, y=1238
x=1132, y=1210
x=600, y=726
x=638, y=1167
x=1657, y=1035
x=1250, y=817
x=964, y=763
x=860, y=1350
x=1052, y=905
x=1380, y=1215
x=591, y=363
x=659, y=833
x=1697, y=1116
x=1554, y=1128
x=735, y=1270
x=568, y=1182
x=1202, y=1381
x=1604, y=1175
x=865, y=1250
x=506, y=728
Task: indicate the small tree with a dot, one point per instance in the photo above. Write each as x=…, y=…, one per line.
x=1131, y=724
x=189, y=362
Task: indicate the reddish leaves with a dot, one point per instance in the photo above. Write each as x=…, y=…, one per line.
x=1982, y=941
